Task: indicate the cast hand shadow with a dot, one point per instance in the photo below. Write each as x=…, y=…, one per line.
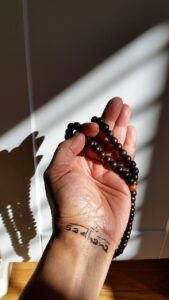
x=16, y=170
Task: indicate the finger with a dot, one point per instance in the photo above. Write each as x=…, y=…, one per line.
x=68, y=149
x=74, y=146
x=90, y=129
x=112, y=111
x=121, y=124
x=130, y=141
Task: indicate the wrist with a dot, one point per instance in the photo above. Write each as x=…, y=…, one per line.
x=81, y=265
x=71, y=268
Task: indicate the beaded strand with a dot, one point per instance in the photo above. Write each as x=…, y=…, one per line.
x=129, y=172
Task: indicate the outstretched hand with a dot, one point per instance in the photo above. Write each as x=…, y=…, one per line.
x=84, y=190
x=90, y=206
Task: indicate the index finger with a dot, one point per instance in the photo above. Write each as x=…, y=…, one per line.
x=112, y=111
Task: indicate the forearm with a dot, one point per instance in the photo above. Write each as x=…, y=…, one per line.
x=71, y=268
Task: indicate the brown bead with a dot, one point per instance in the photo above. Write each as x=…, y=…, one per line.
x=132, y=187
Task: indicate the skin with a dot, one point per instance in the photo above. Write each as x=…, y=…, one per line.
x=87, y=193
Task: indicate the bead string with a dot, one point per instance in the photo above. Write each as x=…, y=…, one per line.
x=128, y=171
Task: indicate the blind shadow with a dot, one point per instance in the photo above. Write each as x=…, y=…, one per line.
x=17, y=168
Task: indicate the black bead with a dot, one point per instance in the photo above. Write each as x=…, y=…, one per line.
x=131, y=218
x=135, y=170
x=109, y=134
x=133, y=199
x=108, y=159
x=67, y=136
x=132, y=209
x=98, y=149
x=127, y=158
x=125, y=241
x=123, y=153
x=135, y=177
x=104, y=127
x=71, y=126
x=102, y=154
x=121, y=248
x=126, y=174
x=77, y=125
x=118, y=146
x=93, y=143
x=113, y=140
x=68, y=133
x=88, y=141
x=130, y=180
x=95, y=148
x=119, y=251
x=130, y=223
x=128, y=236
x=119, y=169
x=133, y=193
x=94, y=119
x=132, y=163
x=113, y=164
x=100, y=120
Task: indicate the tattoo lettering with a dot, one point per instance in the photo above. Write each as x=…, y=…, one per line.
x=89, y=234
x=75, y=230
x=68, y=227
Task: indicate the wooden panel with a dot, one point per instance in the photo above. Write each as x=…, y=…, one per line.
x=147, y=280
x=21, y=272
x=165, y=248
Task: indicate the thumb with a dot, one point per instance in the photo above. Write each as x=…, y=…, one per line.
x=68, y=149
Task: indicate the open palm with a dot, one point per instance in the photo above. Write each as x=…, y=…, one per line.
x=85, y=191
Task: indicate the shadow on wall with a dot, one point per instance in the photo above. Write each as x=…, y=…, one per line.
x=15, y=208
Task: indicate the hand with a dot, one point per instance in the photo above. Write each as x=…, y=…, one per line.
x=87, y=193
x=84, y=190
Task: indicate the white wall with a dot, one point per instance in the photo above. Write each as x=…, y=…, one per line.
x=136, y=71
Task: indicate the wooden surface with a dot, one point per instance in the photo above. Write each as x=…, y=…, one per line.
x=128, y=280
x=139, y=279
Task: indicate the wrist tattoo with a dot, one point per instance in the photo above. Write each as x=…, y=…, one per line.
x=89, y=233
